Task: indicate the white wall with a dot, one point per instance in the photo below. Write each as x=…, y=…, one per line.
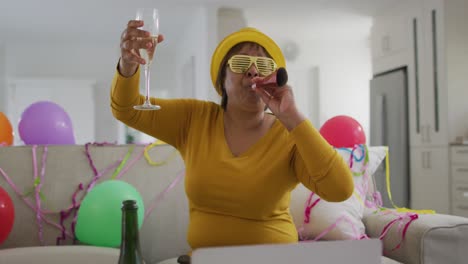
x=209, y=26
x=87, y=60
x=63, y=61
x=3, y=94
x=336, y=43
x=93, y=62
x=195, y=52
x=106, y=128
x=229, y=21
x=69, y=94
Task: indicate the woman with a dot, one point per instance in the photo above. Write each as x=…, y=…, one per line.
x=241, y=162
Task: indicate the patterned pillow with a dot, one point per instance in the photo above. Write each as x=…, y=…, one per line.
x=318, y=219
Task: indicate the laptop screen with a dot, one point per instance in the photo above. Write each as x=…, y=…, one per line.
x=367, y=251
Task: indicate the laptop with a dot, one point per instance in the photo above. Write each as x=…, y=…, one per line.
x=367, y=251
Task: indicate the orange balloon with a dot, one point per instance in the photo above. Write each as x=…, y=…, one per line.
x=6, y=131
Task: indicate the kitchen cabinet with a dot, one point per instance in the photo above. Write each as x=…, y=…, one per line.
x=412, y=35
x=429, y=182
x=428, y=38
x=459, y=179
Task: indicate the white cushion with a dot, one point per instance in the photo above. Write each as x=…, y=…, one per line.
x=168, y=261
x=59, y=254
x=346, y=215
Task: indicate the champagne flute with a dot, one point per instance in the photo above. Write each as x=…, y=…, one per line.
x=150, y=18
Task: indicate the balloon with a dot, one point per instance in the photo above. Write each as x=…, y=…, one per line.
x=7, y=215
x=46, y=123
x=6, y=131
x=343, y=132
x=100, y=215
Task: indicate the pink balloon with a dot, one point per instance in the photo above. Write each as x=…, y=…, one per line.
x=46, y=123
x=343, y=132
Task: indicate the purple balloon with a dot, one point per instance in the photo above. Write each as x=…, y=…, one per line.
x=46, y=123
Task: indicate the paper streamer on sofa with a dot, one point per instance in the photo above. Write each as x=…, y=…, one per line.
x=122, y=164
x=28, y=203
x=153, y=163
x=38, y=181
x=88, y=155
x=161, y=195
x=64, y=214
x=148, y=159
x=98, y=175
x=399, y=209
x=129, y=165
x=123, y=167
x=307, y=208
x=119, y=170
x=353, y=157
x=357, y=235
x=358, y=155
x=400, y=218
x=403, y=216
x=360, y=190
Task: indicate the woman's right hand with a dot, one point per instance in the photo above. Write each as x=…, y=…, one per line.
x=131, y=41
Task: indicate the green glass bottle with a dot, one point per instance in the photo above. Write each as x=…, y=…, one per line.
x=130, y=252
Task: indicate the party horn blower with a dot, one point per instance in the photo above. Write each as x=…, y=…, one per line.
x=278, y=78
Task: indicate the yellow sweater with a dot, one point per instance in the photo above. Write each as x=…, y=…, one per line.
x=236, y=200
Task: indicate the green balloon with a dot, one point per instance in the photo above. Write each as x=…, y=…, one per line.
x=99, y=220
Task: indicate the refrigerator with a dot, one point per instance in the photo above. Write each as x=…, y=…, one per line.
x=389, y=127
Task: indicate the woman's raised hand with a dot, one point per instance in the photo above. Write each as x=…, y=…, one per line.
x=131, y=41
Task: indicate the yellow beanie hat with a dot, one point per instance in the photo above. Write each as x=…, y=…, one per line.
x=247, y=34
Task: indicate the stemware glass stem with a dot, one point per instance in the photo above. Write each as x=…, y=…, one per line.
x=147, y=83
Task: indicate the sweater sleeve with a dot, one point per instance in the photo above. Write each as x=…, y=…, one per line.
x=319, y=166
x=169, y=124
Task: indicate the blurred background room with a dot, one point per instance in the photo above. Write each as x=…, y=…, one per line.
x=336, y=50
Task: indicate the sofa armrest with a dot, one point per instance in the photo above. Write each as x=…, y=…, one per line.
x=432, y=238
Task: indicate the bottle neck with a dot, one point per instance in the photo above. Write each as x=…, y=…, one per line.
x=130, y=239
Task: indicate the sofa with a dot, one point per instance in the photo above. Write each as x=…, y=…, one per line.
x=157, y=173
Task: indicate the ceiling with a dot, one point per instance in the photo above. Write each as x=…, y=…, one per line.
x=101, y=20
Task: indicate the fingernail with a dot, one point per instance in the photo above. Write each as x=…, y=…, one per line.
x=149, y=44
